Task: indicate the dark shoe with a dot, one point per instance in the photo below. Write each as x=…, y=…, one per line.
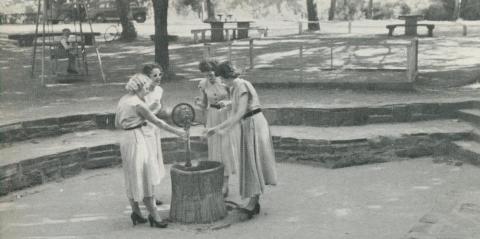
x=137, y=219
x=251, y=213
x=256, y=210
x=158, y=202
x=153, y=223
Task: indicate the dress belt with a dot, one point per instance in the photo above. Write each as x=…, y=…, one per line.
x=137, y=126
x=251, y=113
x=216, y=106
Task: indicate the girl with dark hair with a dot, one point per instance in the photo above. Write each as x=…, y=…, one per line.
x=215, y=101
x=155, y=103
x=257, y=158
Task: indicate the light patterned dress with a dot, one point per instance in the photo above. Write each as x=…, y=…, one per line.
x=155, y=97
x=221, y=148
x=138, y=150
x=257, y=158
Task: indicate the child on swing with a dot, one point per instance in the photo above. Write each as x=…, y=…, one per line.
x=70, y=49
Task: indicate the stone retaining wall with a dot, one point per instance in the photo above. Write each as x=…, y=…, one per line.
x=43, y=169
x=275, y=116
x=330, y=154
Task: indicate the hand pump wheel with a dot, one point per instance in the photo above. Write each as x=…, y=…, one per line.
x=183, y=115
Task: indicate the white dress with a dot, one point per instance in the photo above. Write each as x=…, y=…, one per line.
x=155, y=97
x=138, y=150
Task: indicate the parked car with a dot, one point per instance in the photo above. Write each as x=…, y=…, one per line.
x=103, y=11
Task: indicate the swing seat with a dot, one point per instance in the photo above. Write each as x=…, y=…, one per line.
x=58, y=52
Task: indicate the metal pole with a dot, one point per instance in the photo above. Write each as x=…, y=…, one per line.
x=464, y=30
x=300, y=28
x=35, y=38
x=43, y=42
x=349, y=27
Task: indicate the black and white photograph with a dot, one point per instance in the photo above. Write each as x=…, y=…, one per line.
x=268, y=119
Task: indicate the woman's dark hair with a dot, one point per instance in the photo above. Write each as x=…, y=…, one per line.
x=227, y=70
x=147, y=69
x=208, y=65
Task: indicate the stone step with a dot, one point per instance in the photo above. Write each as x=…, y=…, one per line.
x=470, y=115
x=351, y=116
x=468, y=151
x=37, y=161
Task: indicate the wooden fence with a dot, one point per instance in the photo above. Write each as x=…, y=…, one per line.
x=411, y=53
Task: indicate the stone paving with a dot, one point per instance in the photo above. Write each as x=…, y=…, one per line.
x=365, y=202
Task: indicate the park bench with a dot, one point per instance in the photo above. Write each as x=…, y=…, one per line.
x=26, y=39
x=392, y=27
x=262, y=31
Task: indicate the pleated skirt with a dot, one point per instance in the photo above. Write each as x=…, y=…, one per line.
x=257, y=157
x=223, y=148
x=139, y=152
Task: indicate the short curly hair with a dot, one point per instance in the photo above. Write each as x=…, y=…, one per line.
x=227, y=70
x=148, y=68
x=137, y=82
x=207, y=65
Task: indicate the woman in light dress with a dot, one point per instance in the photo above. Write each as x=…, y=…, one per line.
x=215, y=101
x=257, y=158
x=155, y=103
x=138, y=149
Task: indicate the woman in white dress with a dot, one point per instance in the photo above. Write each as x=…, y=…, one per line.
x=137, y=148
x=155, y=103
x=215, y=100
x=257, y=158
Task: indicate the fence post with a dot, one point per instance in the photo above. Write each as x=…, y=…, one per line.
x=300, y=28
x=250, y=53
x=301, y=62
x=206, y=50
x=412, y=60
x=331, y=57
x=230, y=51
x=349, y=27
x=464, y=30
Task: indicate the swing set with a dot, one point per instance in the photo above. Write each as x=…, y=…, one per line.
x=53, y=50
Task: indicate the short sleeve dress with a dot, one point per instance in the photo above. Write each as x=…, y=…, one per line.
x=155, y=97
x=221, y=148
x=138, y=150
x=257, y=157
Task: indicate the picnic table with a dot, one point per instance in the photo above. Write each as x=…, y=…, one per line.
x=218, y=28
x=411, y=24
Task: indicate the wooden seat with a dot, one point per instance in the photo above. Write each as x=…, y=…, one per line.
x=392, y=27
x=263, y=31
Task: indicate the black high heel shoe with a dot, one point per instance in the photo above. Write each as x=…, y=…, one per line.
x=137, y=219
x=251, y=213
x=153, y=223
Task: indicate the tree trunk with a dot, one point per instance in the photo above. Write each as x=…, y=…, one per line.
x=197, y=193
x=312, y=15
x=160, y=12
x=210, y=11
x=128, y=29
x=331, y=12
x=456, y=10
x=370, y=9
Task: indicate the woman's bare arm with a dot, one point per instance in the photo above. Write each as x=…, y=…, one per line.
x=148, y=115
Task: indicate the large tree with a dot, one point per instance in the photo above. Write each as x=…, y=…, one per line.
x=370, y=9
x=160, y=12
x=331, y=12
x=312, y=15
x=128, y=29
x=210, y=4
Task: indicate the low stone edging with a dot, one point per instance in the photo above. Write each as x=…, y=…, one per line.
x=276, y=116
x=329, y=154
